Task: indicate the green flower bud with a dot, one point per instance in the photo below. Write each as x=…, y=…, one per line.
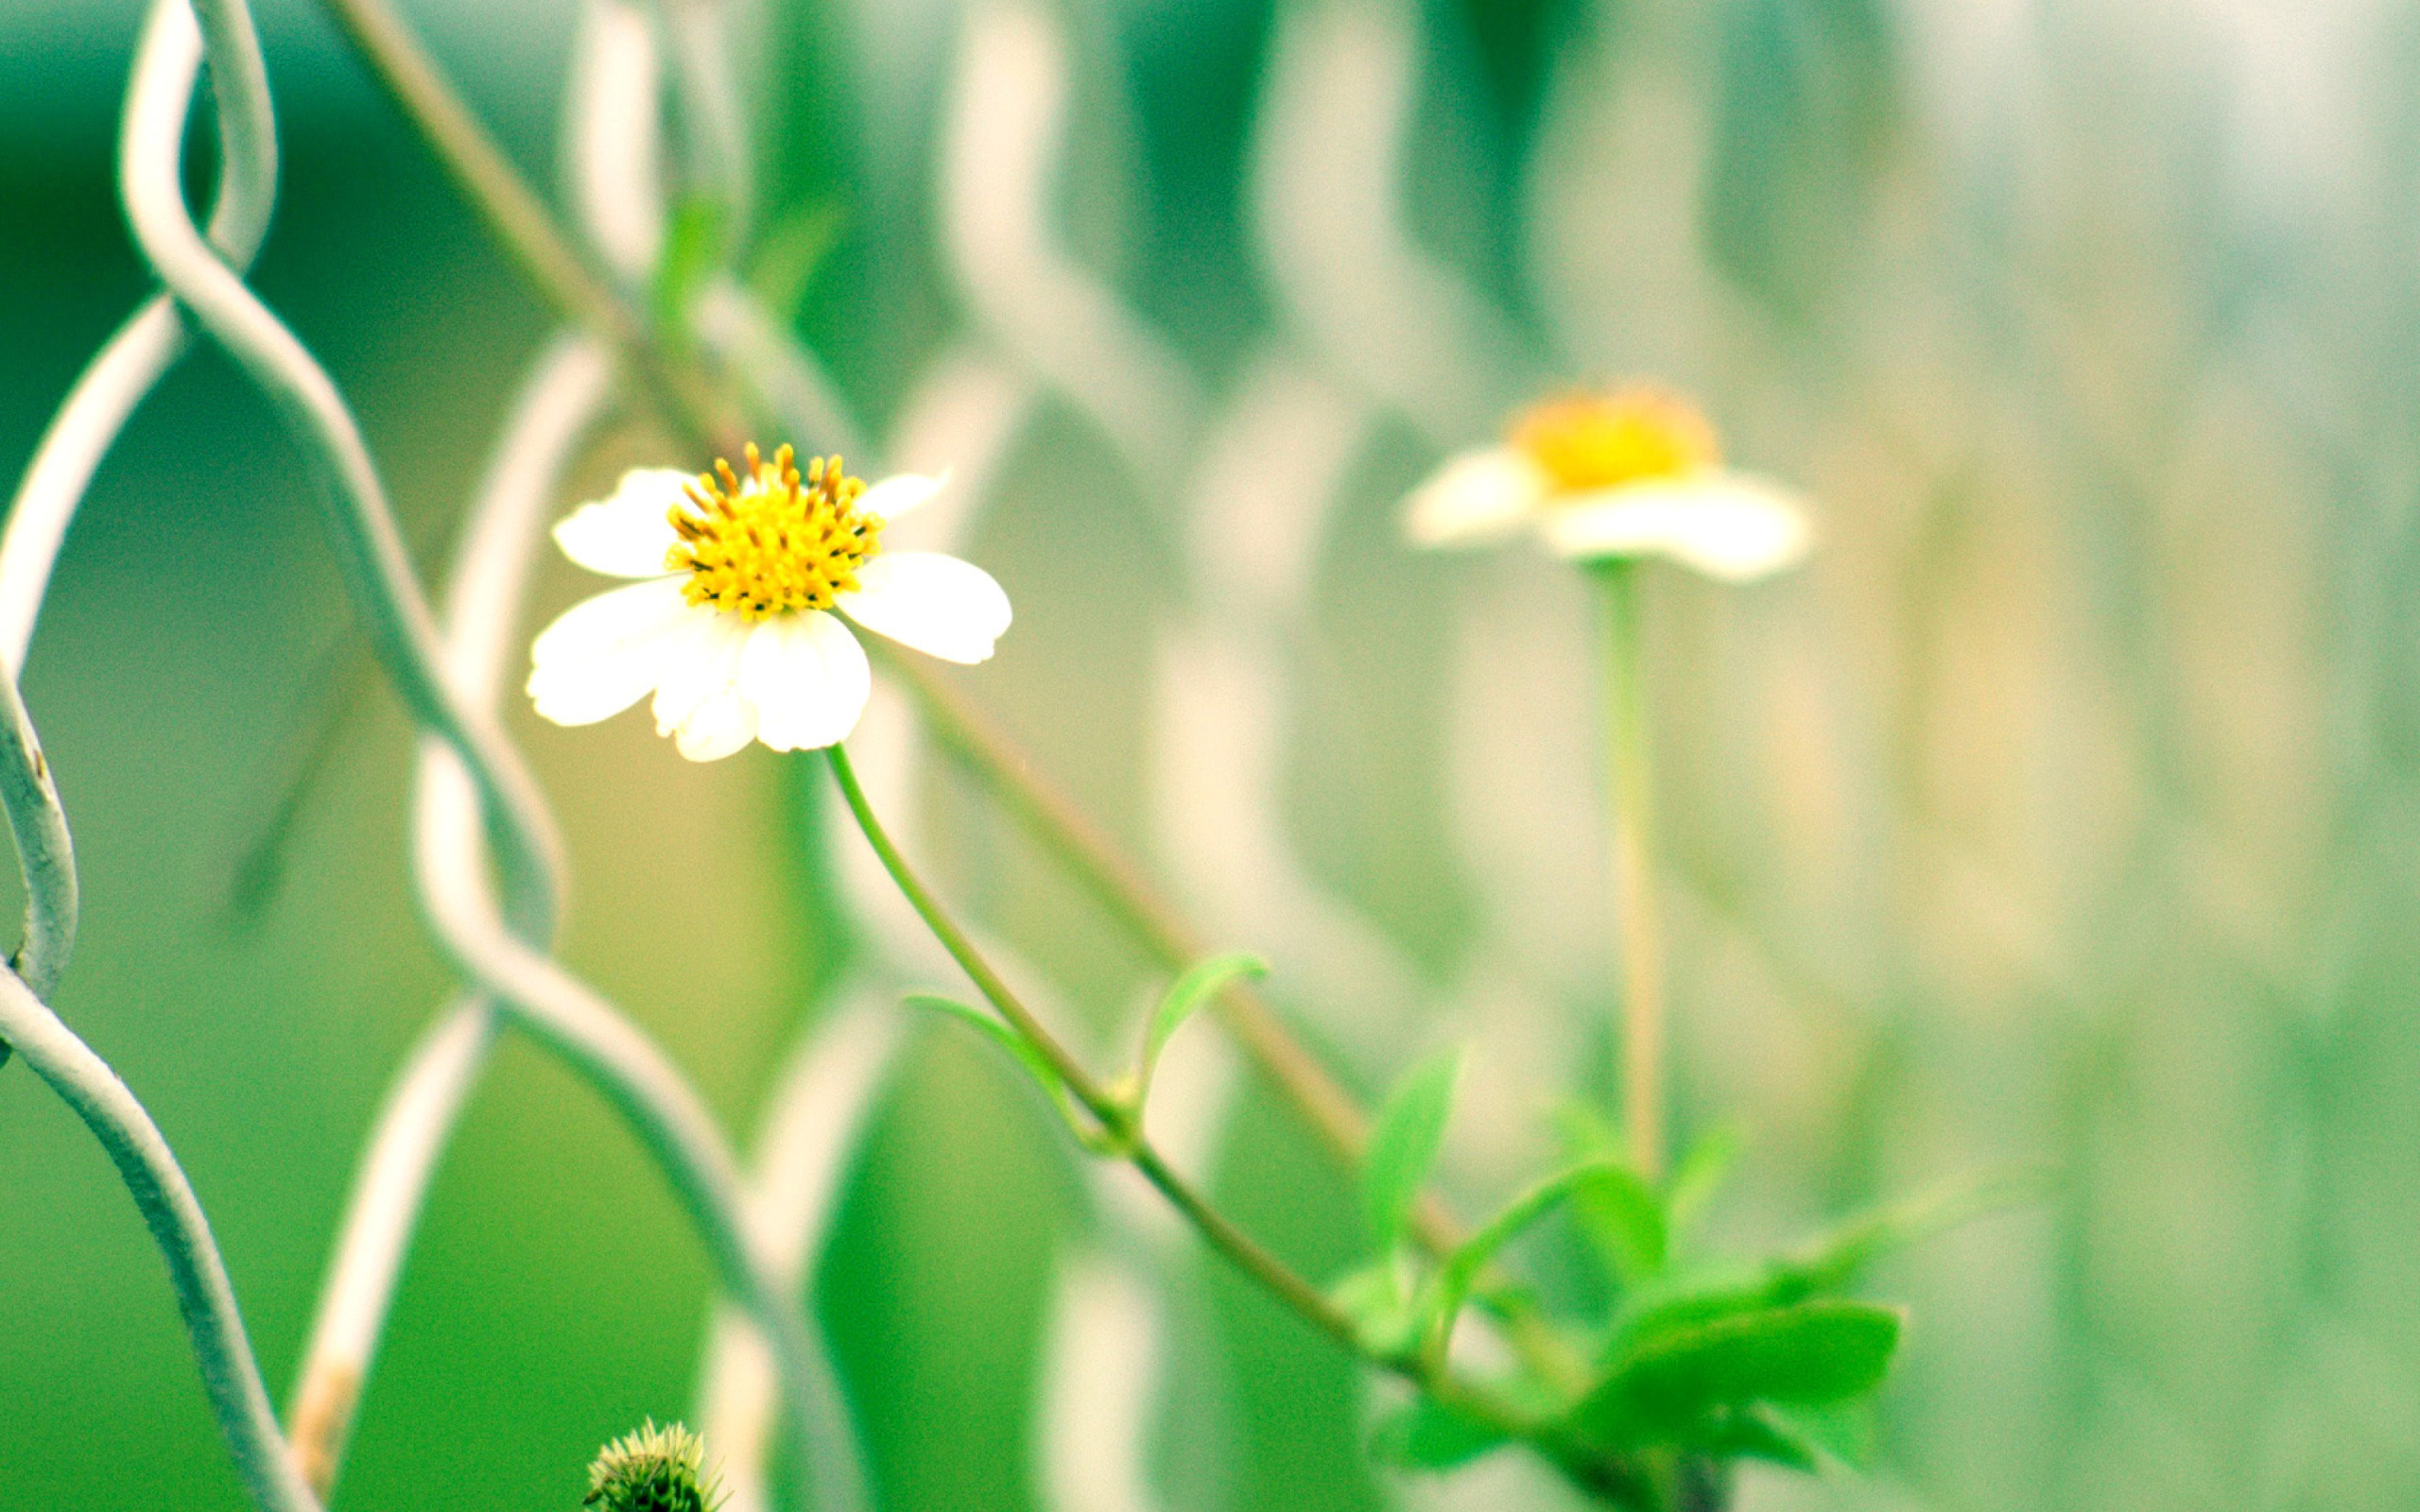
x=655, y=1470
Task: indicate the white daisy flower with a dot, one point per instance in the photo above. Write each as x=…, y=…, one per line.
x=735, y=623
x=1632, y=473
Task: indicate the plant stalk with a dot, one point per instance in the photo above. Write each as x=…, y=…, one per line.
x=1631, y=808
x=520, y=221
x=1124, y=1124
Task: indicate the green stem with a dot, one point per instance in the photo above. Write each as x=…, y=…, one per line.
x=1051, y=821
x=1124, y=1122
x=1630, y=797
x=1121, y=1121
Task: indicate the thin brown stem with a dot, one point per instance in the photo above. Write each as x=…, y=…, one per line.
x=520, y=221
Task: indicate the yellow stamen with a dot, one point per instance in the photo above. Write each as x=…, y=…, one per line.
x=773, y=542
x=1589, y=441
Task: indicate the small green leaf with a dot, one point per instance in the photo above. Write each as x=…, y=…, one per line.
x=1671, y=1309
x=1755, y=1433
x=1807, y=1353
x=1701, y=1173
x=1625, y=1222
x=1189, y=992
x=1623, y=1219
x=1424, y=1435
x=1044, y=1075
x=1843, y=1429
x=1585, y=1132
x=789, y=256
x=1461, y=1268
x=1837, y=1260
x=1403, y=1145
x=1375, y=1298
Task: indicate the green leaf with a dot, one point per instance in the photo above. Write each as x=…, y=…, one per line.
x=1756, y=1432
x=1843, y=1429
x=1625, y=1223
x=1375, y=1300
x=1838, y=1260
x=1423, y=1434
x=1700, y=1175
x=789, y=256
x=1807, y=1353
x=1189, y=992
x=1403, y=1145
x=1036, y=1065
x=693, y=248
x=1675, y=1307
x=1594, y=1179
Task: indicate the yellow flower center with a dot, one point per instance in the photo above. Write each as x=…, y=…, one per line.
x=1589, y=441
x=774, y=540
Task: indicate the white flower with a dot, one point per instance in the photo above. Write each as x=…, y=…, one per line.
x=735, y=623
x=1628, y=474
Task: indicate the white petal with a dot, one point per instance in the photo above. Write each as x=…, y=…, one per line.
x=940, y=605
x=627, y=535
x=716, y=727
x=1725, y=525
x=808, y=680
x=604, y=654
x=700, y=660
x=1477, y=496
x=897, y=494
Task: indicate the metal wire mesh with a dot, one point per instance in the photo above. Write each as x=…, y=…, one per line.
x=2103, y=732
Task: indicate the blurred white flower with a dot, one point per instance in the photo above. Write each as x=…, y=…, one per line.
x=1632, y=473
x=736, y=627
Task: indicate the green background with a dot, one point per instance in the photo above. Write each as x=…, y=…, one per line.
x=2064, y=810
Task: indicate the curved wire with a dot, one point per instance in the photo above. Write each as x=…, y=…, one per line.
x=168, y=60
x=809, y=1132
x=566, y=388
x=1002, y=149
x=167, y=64
x=626, y=1067
x=1330, y=144
x=167, y=67
x=642, y=1085
x=612, y=155
x=45, y=855
x=230, y=1375
x=368, y=548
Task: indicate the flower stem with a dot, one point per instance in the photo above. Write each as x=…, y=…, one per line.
x=1123, y=1122
x=1120, y=1120
x=1629, y=801
x=1047, y=815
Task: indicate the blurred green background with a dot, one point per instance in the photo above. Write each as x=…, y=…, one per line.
x=2068, y=808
